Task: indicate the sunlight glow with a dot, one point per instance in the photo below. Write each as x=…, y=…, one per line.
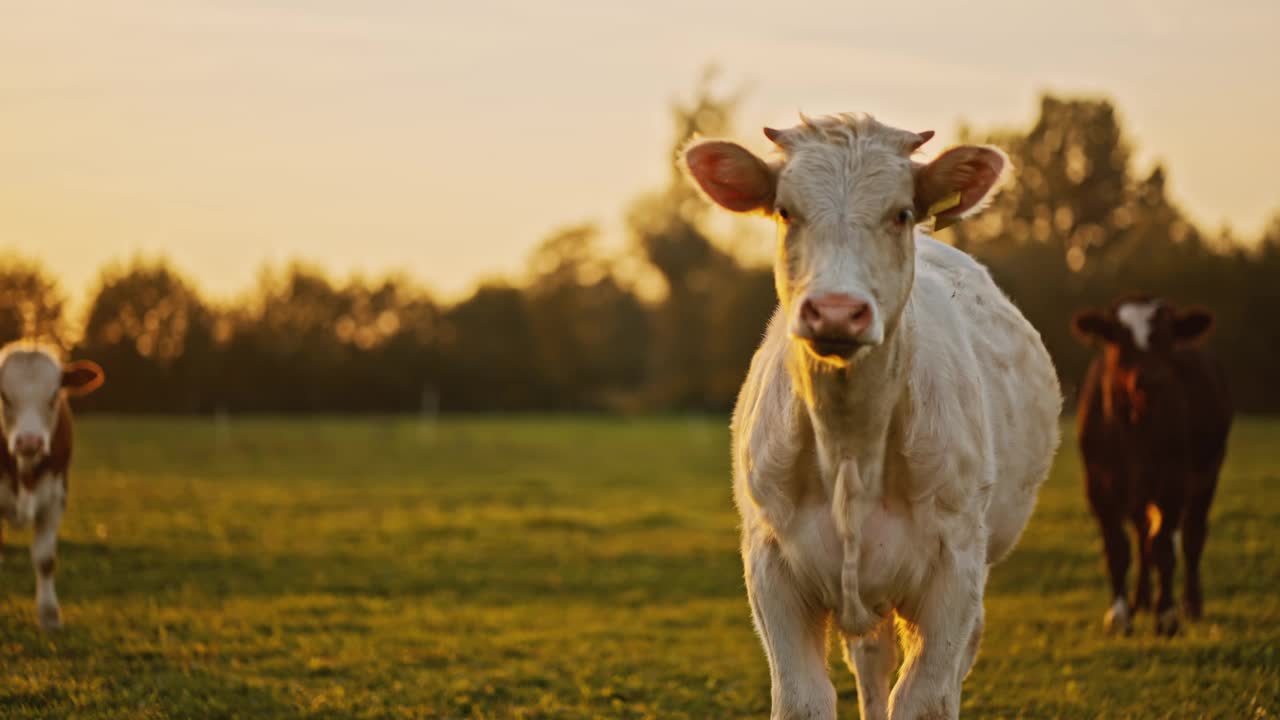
x=426, y=138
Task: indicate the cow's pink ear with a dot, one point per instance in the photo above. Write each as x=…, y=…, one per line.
x=958, y=183
x=1192, y=325
x=730, y=175
x=1091, y=326
x=81, y=377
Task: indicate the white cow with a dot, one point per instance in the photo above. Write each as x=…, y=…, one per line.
x=897, y=420
x=36, y=453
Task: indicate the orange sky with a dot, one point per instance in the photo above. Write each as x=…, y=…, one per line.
x=445, y=139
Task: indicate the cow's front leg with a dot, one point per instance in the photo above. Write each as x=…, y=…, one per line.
x=873, y=657
x=44, y=557
x=942, y=632
x=1142, y=591
x=793, y=629
x=1165, y=518
x=1195, y=528
x=1162, y=553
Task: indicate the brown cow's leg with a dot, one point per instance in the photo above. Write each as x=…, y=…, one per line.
x=1195, y=530
x=1165, y=562
x=1102, y=487
x=1142, y=593
x=44, y=553
x=1166, y=517
x=1115, y=544
x=1193, y=537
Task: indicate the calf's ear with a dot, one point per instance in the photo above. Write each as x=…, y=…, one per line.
x=1192, y=325
x=958, y=183
x=730, y=175
x=1091, y=326
x=81, y=377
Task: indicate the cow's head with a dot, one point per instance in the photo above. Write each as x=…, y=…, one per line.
x=33, y=383
x=846, y=196
x=1139, y=335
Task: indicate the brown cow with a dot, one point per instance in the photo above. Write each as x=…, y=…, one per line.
x=1153, y=421
x=35, y=454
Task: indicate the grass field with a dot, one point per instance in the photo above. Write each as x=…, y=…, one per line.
x=542, y=568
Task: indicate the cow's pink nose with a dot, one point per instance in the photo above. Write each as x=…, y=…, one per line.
x=835, y=316
x=28, y=444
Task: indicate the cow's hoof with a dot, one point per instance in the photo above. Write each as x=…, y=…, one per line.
x=50, y=618
x=1167, y=622
x=1118, y=620
x=1192, y=612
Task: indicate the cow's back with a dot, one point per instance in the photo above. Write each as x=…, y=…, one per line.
x=965, y=316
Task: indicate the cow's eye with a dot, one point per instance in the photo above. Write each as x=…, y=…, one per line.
x=904, y=216
x=783, y=214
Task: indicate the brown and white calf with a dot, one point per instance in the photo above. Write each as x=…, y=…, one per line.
x=896, y=423
x=1153, y=420
x=36, y=453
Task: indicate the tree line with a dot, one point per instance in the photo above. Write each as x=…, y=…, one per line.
x=667, y=324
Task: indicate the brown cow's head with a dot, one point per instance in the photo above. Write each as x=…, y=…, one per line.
x=33, y=383
x=1139, y=335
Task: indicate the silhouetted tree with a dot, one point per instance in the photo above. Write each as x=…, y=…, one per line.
x=154, y=336
x=30, y=303
x=693, y=353
x=1077, y=227
x=591, y=333
x=489, y=344
x=289, y=350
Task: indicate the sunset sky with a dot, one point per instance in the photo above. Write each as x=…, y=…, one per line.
x=445, y=139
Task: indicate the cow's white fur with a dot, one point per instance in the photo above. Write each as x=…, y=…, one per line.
x=1137, y=317
x=1118, y=619
x=885, y=486
x=44, y=548
x=42, y=508
x=50, y=490
x=30, y=376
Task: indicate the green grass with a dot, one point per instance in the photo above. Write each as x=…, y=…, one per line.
x=542, y=568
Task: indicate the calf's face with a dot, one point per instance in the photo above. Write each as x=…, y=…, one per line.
x=1139, y=336
x=846, y=197
x=32, y=385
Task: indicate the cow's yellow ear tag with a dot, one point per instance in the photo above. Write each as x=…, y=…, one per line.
x=944, y=204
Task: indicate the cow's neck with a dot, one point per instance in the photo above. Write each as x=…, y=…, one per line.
x=852, y=408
